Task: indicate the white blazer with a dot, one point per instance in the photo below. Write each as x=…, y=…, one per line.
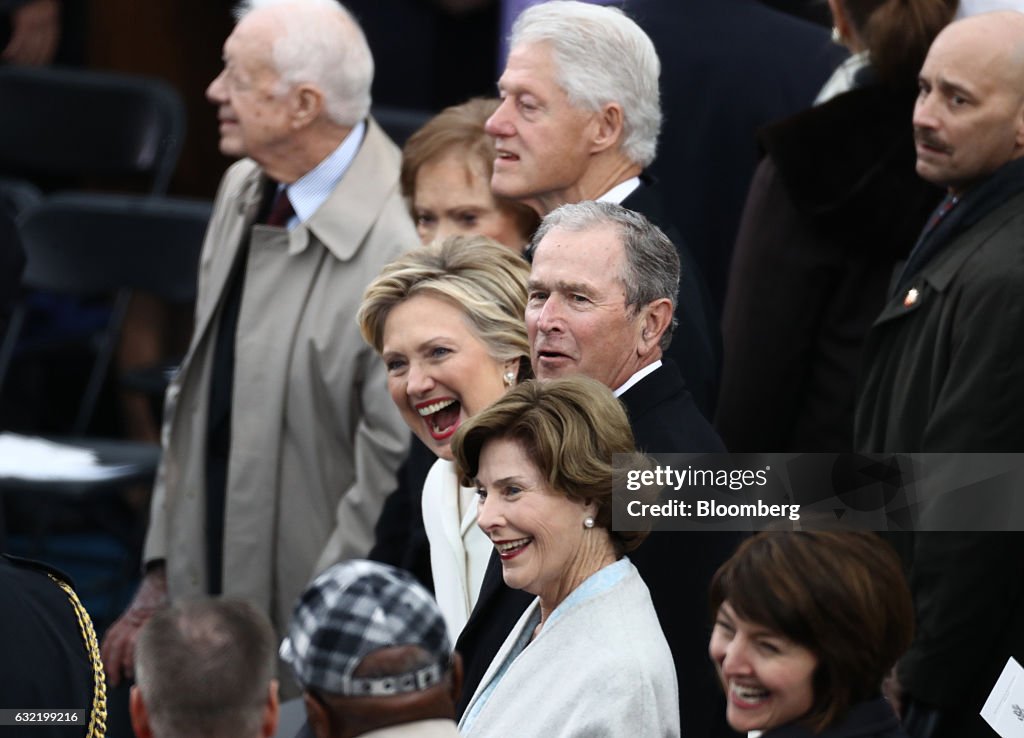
x=459, y=550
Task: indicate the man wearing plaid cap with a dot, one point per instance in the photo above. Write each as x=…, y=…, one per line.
x=370, y=649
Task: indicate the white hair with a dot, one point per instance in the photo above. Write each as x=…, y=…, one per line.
x=602, y=57
x=321, y=43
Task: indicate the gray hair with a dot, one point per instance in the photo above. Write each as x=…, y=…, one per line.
x=321, y=43
x=651, y=270
x=204, y=668
x=602, y=56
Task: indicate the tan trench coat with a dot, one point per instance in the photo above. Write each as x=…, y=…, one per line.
x=315, y=437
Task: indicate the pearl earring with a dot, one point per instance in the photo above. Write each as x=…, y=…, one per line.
x=510, y=378
x=588, y=523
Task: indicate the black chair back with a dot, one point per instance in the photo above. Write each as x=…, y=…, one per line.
x=88, y=244
x=73, y=123
x=93, y=245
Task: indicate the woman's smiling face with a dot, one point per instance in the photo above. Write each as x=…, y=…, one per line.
x=539, y=532
x=767, y=678
x=439, y=371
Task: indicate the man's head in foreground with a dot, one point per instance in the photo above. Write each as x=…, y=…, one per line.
x=601, y=293
x=370, y=649
x=205, y=669
x=580, y=109
x=969, y=116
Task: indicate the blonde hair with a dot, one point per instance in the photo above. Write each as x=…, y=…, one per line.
x=486, y=280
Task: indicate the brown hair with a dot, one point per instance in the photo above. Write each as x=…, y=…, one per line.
x=461, y=128
x=841, y=595
x=570, y=428
x=898, y=33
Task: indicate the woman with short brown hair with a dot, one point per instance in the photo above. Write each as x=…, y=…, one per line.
x=446, y=178
x=588, y=656
x=807, y=625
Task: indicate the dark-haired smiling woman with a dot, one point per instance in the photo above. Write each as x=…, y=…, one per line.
x=807, y=625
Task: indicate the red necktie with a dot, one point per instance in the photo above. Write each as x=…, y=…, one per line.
x=280, y=210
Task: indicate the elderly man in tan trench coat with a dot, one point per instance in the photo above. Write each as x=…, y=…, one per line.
x=280, y=439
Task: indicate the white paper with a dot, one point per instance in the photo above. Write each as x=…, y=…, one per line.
x=36, y=459
x=1004, y=708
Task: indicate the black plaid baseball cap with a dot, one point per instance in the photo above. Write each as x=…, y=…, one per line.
x=350, y=611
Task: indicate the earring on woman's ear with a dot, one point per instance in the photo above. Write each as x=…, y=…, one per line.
x=510, y=378
x=837, y=37
x=588, y=522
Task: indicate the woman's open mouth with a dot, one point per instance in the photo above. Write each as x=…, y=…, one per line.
x=747, y=696
x=510, y=549
x=441, y=417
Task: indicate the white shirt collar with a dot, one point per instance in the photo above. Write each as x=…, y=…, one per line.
x=621, y=191
x=844, y=78
x=312, y=189
x=637, y=377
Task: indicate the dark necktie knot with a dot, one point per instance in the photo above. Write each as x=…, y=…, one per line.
x=947, y=204
x=281, y=209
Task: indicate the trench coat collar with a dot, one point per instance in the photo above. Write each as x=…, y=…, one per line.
x=340, y=229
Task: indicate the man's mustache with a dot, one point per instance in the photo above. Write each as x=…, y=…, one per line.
x=926, y=138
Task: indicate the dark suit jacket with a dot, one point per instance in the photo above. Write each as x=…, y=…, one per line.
x=747, y=65
x=677, y=567
x=943, y=372
x=399, y=537
x=697, y=344
x=446, y=56
x=868, y=719
x=823, y=228
x=47, y=662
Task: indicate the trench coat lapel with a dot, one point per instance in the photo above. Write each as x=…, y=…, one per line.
x=227, y=237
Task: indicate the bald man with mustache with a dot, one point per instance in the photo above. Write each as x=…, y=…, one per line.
x=944, y=371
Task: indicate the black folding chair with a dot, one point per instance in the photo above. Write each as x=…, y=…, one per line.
x=69, y=128
x=94, y=245
x=74, y=124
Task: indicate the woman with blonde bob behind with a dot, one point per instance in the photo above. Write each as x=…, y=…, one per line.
x=447, y=320
x=807, y=625
x=588, y=656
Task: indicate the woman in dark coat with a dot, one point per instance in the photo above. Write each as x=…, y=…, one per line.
x=835, y=204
